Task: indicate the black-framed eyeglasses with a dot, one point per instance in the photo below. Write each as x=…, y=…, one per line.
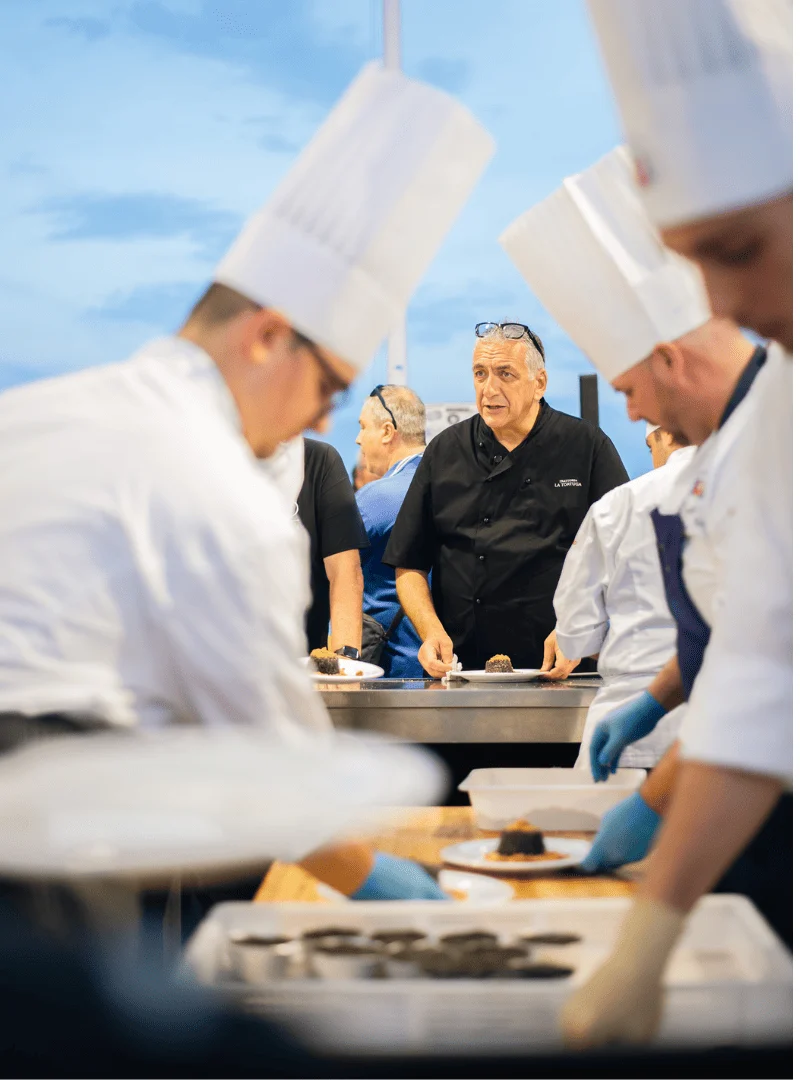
x=333, y=387
x=377, y=393
x=511, y=330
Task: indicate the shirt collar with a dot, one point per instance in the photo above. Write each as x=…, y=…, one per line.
x=188, y=361
x=489, y=446
x=746, y=380
x=398, y=465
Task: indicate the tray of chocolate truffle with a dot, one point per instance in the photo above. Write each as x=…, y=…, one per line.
x=432, y=977
x=325, y=666
x=499, y=669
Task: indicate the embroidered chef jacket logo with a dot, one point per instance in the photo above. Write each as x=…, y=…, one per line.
x=567, y=483
x=644, y=174
x=698, y=489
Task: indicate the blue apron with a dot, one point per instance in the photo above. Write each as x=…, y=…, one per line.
x=763, y=871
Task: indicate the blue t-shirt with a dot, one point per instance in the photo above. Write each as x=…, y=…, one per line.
x=379, y=503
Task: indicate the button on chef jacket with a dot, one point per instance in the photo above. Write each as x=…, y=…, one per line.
x=610, y=600
x=150, y=572
x=494, y=527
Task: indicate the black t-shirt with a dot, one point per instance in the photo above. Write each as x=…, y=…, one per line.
x=327, y=508
x=495, y=527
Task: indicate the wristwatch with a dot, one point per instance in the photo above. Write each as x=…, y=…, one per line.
x=349, y=652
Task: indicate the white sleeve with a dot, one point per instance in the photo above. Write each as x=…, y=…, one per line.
x=740, y=709
x=230, y=596
x=580, y=598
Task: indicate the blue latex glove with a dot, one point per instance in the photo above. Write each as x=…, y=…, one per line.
x=392, y=878
x=625, y=835
x=619, y=729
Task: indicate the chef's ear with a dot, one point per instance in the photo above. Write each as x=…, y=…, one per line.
x=668, y=355
x=540, y=379
x=260, y=332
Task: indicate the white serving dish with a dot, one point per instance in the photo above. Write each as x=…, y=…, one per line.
x=551, y=799
x=478, y=888
x=474, y=854
x=519, y=676
x=351, y=671
x=729, y=982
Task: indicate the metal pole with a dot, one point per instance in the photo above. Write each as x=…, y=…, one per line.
x=391, y=35
x=396, y=361
x=590, y=406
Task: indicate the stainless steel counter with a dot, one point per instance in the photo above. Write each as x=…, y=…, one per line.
x=422, y=710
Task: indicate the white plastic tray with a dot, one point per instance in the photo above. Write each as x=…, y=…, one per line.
x=729, y=983
x=551, y=799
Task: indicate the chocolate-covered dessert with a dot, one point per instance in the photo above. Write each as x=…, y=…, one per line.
x=398, y=937
x=521, y=838
x=331, y=932
x=551, y=938
x=453, y=964
x=522, y=969
x=468, y=939
x=325, y=661
x=257, y=940
x=499, y=662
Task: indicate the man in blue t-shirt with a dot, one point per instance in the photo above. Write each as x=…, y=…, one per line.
x=392, y=441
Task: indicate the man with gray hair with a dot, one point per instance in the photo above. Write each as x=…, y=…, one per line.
x=493, y=510
x=392, y=441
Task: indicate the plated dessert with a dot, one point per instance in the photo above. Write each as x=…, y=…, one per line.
x=325, y=661
x=521, y=842
x=499, y=662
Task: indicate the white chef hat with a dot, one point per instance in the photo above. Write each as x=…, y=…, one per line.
x=650, y=428
x=704, y=88
x=592, y=257
x=344, y=240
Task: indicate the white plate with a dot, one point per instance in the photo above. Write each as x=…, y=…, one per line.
x=350, y=668
x=472, y=854
x=479, y=889
x=519, y=675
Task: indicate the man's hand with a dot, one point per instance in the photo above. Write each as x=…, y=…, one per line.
x=623, y=1000
x=392, y=878
x=436, y=654
x=612, y=1007
x=625, y=835
x=555, y=665
x=619, y=729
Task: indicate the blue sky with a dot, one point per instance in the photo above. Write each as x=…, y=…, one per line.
x=139, y=134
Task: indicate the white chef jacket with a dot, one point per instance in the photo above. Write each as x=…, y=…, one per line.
x=705, y=496
x=286, y=467
x=740, y=709
x=149, y=570
x=610, y=600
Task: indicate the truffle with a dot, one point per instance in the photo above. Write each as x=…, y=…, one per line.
x=325, y=661
x=331, y=932
x=551, y=938
x=469, y=939
x=499, y=662
x=401, y=937
x=239, y=937
x=521, y=838
x=449, y=964
x=525, y=970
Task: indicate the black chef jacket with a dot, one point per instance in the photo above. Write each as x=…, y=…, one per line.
x=327, y=508
x=494, y=528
